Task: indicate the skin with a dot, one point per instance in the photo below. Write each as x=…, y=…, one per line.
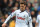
x=22, y=8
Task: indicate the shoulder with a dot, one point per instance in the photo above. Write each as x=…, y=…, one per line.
x=26, y=13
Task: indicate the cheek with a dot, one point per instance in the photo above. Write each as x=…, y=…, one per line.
x=21, y=7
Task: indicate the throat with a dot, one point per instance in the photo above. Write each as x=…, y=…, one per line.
x=22, y=10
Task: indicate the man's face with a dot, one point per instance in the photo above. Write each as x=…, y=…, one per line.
x=22, y=7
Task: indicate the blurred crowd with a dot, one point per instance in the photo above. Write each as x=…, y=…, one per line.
x=9, y=6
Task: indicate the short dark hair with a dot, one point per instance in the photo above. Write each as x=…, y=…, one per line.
x=22, y=3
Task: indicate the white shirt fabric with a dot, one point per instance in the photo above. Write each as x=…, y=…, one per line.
x=30, y=19
x=38, y=20
x=22, y=18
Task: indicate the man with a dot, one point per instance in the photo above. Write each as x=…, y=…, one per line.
x=22, y=17
x=38, y=20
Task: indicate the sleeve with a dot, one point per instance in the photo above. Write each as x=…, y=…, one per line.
x=29, y=18
x=30, y=21
x=37, y=19
x=10, y=16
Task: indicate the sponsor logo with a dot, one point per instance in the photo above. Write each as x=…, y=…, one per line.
x=21, y=18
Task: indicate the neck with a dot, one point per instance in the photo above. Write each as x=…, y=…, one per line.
x=22, y=10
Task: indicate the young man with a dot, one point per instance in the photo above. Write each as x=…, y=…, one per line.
x=22, y=17
x=38, y=20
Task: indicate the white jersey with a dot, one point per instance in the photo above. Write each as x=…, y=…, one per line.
x=22, y=18
x=38, y=20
